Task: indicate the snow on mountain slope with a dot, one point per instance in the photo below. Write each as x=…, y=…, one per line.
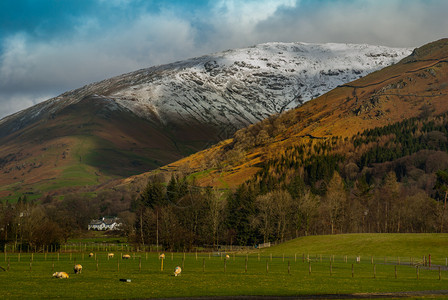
x=230, y=89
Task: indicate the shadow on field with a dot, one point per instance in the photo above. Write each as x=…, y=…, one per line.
x=432, y=294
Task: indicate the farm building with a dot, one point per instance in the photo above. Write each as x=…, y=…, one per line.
x=105, y=223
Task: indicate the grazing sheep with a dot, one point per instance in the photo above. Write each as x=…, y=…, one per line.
x=110, y=255
x=162, y=256
x=61, y=275
x=90, y=254
x=227, y=256
x=77, y=268
x=126, y=256
x=177, y=271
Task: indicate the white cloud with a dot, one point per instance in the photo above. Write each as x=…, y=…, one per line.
x=31, y=69
x=17, y=102
x=246, y=14
x=398, y=23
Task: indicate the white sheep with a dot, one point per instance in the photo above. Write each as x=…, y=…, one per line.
x=227, y=256
x=61, y=275
x=110, y=255
x=90, y=254
x=126, y=256
x=77, y=268
x=162, y=256
x=177, y=271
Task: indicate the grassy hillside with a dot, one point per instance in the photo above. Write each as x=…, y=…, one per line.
x=87, y=144
x=367, y=245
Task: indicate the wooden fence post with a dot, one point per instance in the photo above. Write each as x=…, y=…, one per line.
x=267, y=266
x=203, y=265
x=353, y=271
x=395, y=272
x=309, y=268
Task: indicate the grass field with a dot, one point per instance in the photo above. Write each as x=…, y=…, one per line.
x=283, y=270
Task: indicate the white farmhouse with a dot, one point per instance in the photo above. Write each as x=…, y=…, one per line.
x=104, y=223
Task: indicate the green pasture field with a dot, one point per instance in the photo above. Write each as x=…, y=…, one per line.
x=283, y=270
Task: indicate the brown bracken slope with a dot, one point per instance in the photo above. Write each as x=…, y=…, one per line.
x=416, y=86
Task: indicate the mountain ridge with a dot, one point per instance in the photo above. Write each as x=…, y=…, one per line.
x=324, y=62
x=175, y=110
x=412, y=88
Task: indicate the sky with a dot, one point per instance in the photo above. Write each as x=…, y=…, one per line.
x=48, y=47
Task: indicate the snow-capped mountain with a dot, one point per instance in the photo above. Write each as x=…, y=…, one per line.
x=149, y=118
x=230, y=89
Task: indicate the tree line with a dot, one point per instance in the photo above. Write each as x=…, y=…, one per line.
x=388, y=179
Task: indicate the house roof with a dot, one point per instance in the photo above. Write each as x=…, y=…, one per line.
x=110, y=221
x=96, y=222
x=105, y=221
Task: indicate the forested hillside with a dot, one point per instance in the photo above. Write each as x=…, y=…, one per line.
x=387, y=179
x=369, y=156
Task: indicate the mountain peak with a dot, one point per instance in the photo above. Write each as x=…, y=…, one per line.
x=151, y=117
